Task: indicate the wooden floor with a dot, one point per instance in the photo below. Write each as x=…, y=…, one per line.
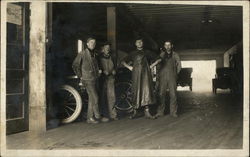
x=206, y=122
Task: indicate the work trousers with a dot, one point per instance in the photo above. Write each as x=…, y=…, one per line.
x=93, y=108
x=163, y=86
x=108, y=96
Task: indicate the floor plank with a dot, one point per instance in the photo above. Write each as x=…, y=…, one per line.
x=206, y=121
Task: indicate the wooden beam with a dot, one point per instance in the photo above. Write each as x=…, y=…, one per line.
x=137, y=25
x=3, y=59
x=49, y=23
x=37, y=86
x=111, y=27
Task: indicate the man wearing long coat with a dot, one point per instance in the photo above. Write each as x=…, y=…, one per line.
x=142, y=83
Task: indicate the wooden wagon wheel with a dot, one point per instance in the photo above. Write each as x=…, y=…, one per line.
x=123, y=93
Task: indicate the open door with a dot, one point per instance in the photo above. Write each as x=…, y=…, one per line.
x=17, y=67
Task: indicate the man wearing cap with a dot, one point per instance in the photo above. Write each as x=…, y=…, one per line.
x=106, y=62
x=170, y=66
x=142, y=83
x=86, y=68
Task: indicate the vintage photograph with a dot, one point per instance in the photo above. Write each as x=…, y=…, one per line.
x=123, y=76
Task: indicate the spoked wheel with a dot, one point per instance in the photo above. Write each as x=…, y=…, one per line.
x=69, y=103
x=123, y=93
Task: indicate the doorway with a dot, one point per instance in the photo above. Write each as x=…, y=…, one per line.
x=203, y=73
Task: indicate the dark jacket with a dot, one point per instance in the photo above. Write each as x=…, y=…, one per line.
x=85, y=65
x=105, y=65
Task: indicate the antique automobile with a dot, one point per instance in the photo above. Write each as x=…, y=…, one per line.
x=223, y=79
x=71, y=98
x=184, y=78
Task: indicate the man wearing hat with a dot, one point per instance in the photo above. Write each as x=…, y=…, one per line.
x=107, y=66
x=86, y=68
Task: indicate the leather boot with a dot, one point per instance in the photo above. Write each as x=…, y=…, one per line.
x=159, y=115
x=104, y=119
x=133, y=114
x=147, y=114
x=92, y=121
x=175, y=115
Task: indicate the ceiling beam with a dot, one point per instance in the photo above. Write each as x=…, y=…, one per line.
x=137, y=25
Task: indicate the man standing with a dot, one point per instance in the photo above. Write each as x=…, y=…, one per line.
x=86, y=68
x=169, y=69
x=107, y=66
x=142, y=82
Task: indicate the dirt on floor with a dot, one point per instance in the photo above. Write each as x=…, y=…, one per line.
x=206, y=121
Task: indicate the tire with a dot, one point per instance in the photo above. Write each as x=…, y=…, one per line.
x=69, y=103
x=190, y=88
